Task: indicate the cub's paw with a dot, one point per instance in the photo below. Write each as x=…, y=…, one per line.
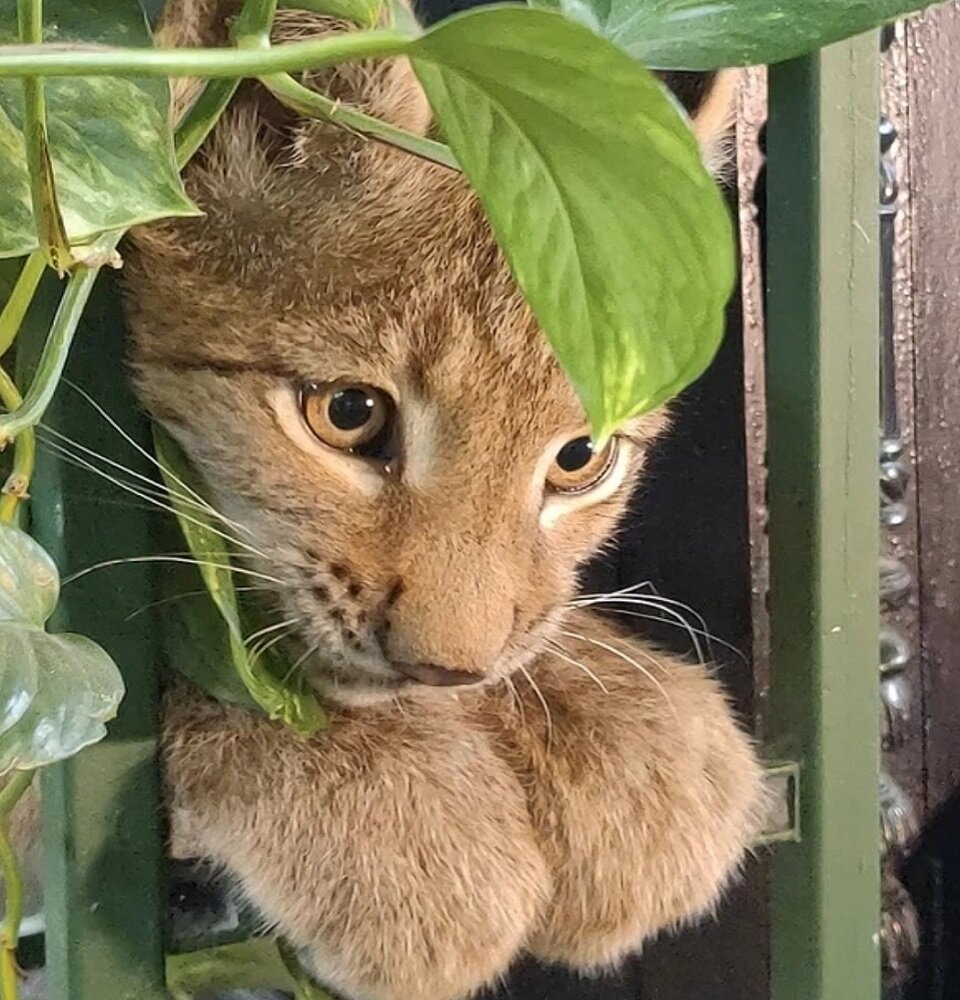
x=395, y=854
x=646, y=797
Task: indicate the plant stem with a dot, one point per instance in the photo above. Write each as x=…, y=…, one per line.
x=308, y=102
x=251, y=29
x=13, y=886
x=15, y=488
x=20, y=298
x=55, y=350
x=73, y=60
x=51, y=232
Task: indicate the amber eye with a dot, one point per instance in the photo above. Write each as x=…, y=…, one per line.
x=578, y=465
x=356, y=418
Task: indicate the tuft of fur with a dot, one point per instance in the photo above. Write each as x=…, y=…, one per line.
x=587, y=791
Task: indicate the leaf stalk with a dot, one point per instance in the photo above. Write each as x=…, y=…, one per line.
x=13, y=887
x=88, y=60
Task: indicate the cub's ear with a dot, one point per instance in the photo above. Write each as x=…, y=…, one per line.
x=711, y=101
x=713, y=122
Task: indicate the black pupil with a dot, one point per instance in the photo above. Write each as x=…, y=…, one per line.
x=574, y=455
x=351, y=409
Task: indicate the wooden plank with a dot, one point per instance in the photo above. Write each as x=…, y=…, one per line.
x=822, y=390
x=934, y=82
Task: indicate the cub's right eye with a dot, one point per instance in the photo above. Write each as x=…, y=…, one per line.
x=352, y=417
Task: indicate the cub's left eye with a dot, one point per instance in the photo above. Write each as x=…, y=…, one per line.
x=357, y=418
x=578, y=466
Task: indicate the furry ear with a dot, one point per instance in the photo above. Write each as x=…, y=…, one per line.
x=713, y=119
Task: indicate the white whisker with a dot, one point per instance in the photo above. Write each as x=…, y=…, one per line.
x=143, y=451
x=630, y=660
x=543, y=702
x=554, y=649
x=645, y=602
x=172, y=559
x=685, y=626
x=191, y=593
x=310, y=651
x=261, y=648
x=143, y=495
x=517, y=700
x=159, y=488
x=289, y=622
x=623, y=592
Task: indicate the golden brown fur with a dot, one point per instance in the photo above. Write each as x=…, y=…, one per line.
x=588, y=792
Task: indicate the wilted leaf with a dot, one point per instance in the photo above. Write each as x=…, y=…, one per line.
x=264, y=676
x=707, y=34
x=594, y=185
x=18, y=688
x=29, y=582
x=110, y=137
x=76, y=689
x=56, y=691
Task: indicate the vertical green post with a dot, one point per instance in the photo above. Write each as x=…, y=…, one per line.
x=822, y=390
x=103, y=889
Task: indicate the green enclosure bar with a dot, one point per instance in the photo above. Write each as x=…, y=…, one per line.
x=822, y=390
x=103, y=890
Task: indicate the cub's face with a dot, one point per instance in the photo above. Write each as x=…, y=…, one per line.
x=342, y=353
x=412, y=471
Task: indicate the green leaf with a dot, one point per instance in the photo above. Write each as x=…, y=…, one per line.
x=56, y=691
x=110, y=138
x=708, y=34
x=594, y=185
x=364, y=13
x=73, y=686
x=246, y=965
x=29, y=582
x=263, y=676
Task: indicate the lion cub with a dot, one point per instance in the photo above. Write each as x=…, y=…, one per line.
x=339, y=347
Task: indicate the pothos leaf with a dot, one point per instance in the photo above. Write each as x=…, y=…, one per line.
x=29, y=582
x=594, y=185
x=263, y=675
x=110, y=138
x=707, y=34
x=69, y=689
x=56, y=691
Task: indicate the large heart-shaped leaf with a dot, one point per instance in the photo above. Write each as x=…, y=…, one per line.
x=110, y=137
x=73, y=688
x=594, y=186
x=707, y=34
x=264, y=676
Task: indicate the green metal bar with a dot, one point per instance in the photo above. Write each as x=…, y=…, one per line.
x=102, y=812
x=822, y=387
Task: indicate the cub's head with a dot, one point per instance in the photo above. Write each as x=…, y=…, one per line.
x=341, y=351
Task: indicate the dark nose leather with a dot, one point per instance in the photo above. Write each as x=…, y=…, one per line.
x=436, y=676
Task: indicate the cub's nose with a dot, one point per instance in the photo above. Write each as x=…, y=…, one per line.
x=436, y=676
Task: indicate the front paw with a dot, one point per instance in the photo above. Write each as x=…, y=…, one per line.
x=646, y=798
x=396, y=855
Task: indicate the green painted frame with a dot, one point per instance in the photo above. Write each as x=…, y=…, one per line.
x=102, y=809
x=822, y=354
